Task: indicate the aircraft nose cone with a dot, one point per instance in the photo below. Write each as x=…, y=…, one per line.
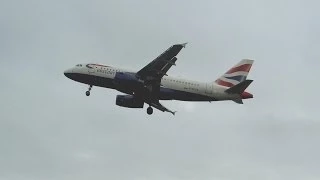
x=68, y=73
x=246, y=95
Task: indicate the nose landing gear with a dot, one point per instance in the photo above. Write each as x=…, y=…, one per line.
x=149, y=110
x=88, y=92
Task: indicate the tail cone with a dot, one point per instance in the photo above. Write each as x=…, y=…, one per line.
x=246, y=95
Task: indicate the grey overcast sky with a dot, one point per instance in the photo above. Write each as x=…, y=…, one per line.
x=49, y=129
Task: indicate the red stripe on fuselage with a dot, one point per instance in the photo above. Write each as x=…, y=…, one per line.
x=243, y=67
x=224, y=83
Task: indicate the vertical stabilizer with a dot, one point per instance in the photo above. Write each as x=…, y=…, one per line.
x=236, y=74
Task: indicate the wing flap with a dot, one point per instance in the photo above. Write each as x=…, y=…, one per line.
x=160, y=107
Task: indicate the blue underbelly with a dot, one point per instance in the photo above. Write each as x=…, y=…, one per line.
x=171, y=94
x=164, y=94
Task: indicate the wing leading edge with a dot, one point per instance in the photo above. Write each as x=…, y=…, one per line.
x=159, y=67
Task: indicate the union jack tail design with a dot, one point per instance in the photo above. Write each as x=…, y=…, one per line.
x=236, y=74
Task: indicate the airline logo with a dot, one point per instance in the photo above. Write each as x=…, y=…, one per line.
x=236, y=74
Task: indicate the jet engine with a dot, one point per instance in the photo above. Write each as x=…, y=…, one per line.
x=129, y=101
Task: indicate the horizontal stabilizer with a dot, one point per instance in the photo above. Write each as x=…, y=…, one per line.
x=239, y=101
x=239, y=88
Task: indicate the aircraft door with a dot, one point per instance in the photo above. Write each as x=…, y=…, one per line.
x=209, y=88
x=91, y=69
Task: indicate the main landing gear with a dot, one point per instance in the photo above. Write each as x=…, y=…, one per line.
x=149, y=110
x=88, y=92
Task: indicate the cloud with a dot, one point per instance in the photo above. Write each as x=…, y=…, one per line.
x=49, y=129
x=82, y=156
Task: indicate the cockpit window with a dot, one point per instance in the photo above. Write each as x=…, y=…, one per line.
x=79, y=65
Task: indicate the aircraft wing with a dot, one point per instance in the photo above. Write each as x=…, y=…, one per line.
x=157, y=68
x=161, y=107
x=152, y=74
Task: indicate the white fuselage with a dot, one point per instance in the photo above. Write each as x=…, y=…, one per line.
x=100, y=75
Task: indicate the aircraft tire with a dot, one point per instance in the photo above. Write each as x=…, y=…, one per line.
x=149, y=110
x=87, y=93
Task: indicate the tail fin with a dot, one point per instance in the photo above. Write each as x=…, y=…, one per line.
x=236, y=74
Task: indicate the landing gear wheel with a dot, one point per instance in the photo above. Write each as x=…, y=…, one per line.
x=88, y=93
x=149, y=110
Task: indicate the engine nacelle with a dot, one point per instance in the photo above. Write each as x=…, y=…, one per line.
x=129, y=101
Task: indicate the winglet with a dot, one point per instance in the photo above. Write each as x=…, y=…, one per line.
x=184, y=44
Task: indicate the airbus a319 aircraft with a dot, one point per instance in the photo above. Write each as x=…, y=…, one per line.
x=151, y=84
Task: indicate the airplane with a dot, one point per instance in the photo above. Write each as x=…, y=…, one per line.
x=151, y=84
